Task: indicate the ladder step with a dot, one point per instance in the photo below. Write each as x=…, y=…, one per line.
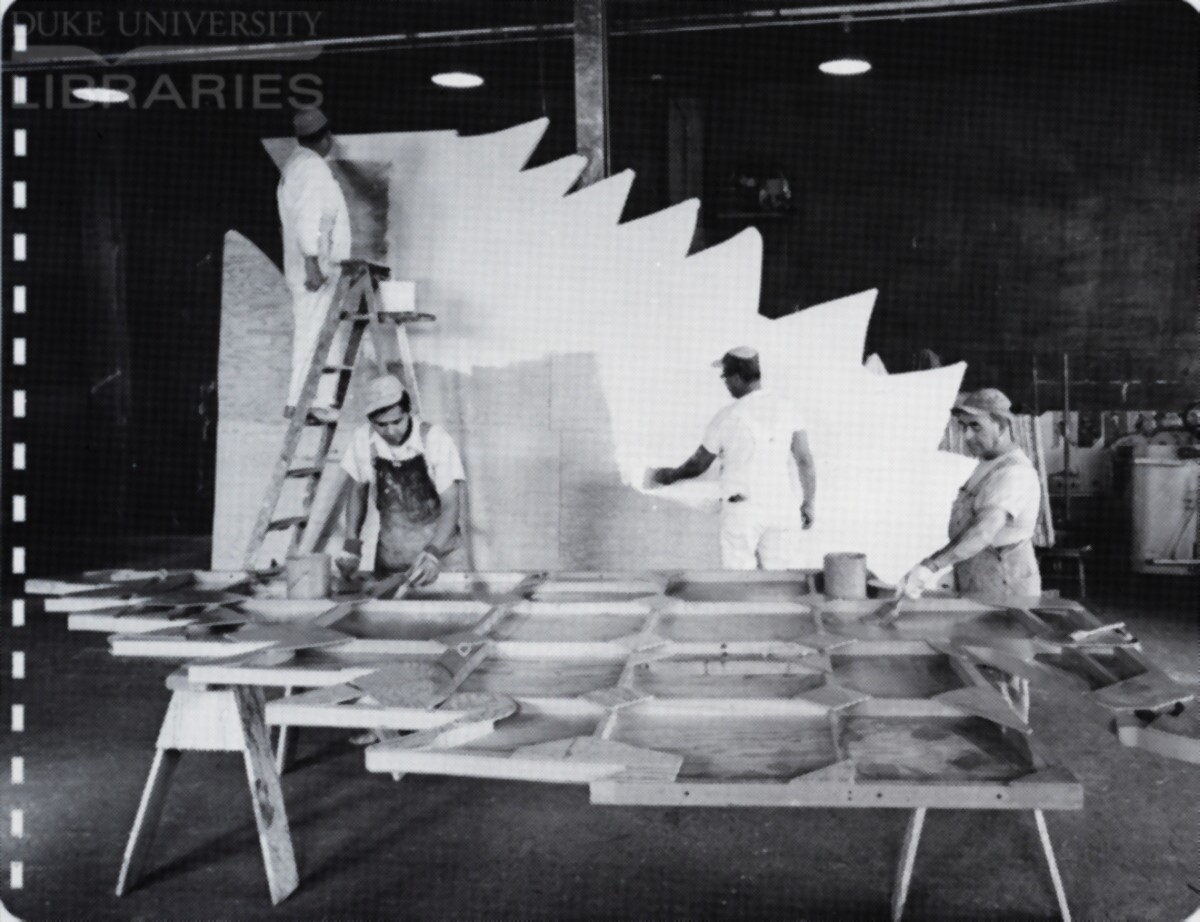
x=298, y=472
x=386, y=317
x=323, y=417
x=330, y=369
x=282, y=524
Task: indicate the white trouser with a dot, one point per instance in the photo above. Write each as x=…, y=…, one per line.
x=309, y=310
x=753, y=537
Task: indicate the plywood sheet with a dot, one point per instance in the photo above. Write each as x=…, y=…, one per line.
x=913, y=676
x=726, y=677
x=732, y=746
x=544, y=678
x=926, y=748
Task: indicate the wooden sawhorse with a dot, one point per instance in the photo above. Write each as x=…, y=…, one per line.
x=1015, y=691
x=200, y=718
x=908, y=858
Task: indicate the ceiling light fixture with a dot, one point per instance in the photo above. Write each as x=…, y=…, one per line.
x=457, y=80
x=101, y=94
x=844, y=67
x=848, y=64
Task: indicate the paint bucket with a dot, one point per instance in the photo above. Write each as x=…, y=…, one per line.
x=309, y=576
x=846, y=576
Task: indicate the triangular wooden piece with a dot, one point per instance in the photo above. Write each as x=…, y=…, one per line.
x=631, y=763
x=832, y=696
x=616, y=697
x=643, y=640
x=985, y=703
x=822, y=641
x=481, y=705
x=1150, y=691
x=414, y=685
x=463, y=642
x=289, y=637
x=842, y=772
x=1054, y=775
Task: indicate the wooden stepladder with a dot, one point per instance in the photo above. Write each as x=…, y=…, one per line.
x=355, y=302
x=203, y=719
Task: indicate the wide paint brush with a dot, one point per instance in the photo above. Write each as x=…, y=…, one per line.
x=888, y=612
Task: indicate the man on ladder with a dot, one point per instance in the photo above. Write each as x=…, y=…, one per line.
x=316, y=239
x=418, y=478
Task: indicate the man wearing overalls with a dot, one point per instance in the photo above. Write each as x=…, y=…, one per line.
x=993, y=518
x=418, y=477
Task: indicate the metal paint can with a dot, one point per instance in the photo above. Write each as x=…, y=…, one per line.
x=309, y=576
x=846, y=576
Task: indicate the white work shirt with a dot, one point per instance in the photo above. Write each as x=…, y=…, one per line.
x=752, y=438
x=441, y=454
x=313, y=215
x=1014, y=489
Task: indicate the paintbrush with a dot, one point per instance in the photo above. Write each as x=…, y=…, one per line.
x=889, y=611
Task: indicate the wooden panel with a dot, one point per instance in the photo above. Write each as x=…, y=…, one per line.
x=543, y=678
x=411, y=621
x=731, y=746
x=930, y=748
x=718, y=677
x=686, y=627
x=521, y=625
x=895, y=676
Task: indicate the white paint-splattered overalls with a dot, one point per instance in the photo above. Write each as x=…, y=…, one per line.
x=1011, y=569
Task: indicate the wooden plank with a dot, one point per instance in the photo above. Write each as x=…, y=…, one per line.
x=908, y=858
x=205, y=721
x=985, y=703
x=887, y=794
x=1060, y=892
x=1157, y=737
x=149, y=811
x=266, y=796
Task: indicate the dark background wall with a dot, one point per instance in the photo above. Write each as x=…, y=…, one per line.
x=1015, y=186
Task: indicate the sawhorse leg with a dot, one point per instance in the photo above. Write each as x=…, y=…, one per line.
x=908, y=857
x=220, y=720
x=285, y=743
x=1060, y=892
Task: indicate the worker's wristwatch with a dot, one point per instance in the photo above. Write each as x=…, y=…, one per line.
x=432, y=551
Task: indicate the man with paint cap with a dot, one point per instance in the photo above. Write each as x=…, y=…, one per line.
x=994, y=516
x=768, y=478
x=418, y=478
x=316, y=239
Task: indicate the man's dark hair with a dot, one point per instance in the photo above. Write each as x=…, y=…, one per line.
x=746, y=369
x=405, y=407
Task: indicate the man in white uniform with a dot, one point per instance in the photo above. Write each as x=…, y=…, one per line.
x=418, y=478
x=768, y=478
x=316, y=239
x=993, y=518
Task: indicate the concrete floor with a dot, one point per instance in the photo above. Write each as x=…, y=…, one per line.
x=438, y=848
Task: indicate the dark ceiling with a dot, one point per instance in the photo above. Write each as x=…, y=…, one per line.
x=699, y=40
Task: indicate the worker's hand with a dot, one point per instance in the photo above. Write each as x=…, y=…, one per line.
x=349, y=558
x=663, y=476
x=807, y=516
x=918, y=580
x=425, y=569
x=314, y=278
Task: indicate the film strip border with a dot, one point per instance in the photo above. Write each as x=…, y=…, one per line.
x=13, y=443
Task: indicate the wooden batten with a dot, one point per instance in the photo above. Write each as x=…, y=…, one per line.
x=1046, y=794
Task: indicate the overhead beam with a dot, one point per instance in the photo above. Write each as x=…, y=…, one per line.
x=591, y=87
